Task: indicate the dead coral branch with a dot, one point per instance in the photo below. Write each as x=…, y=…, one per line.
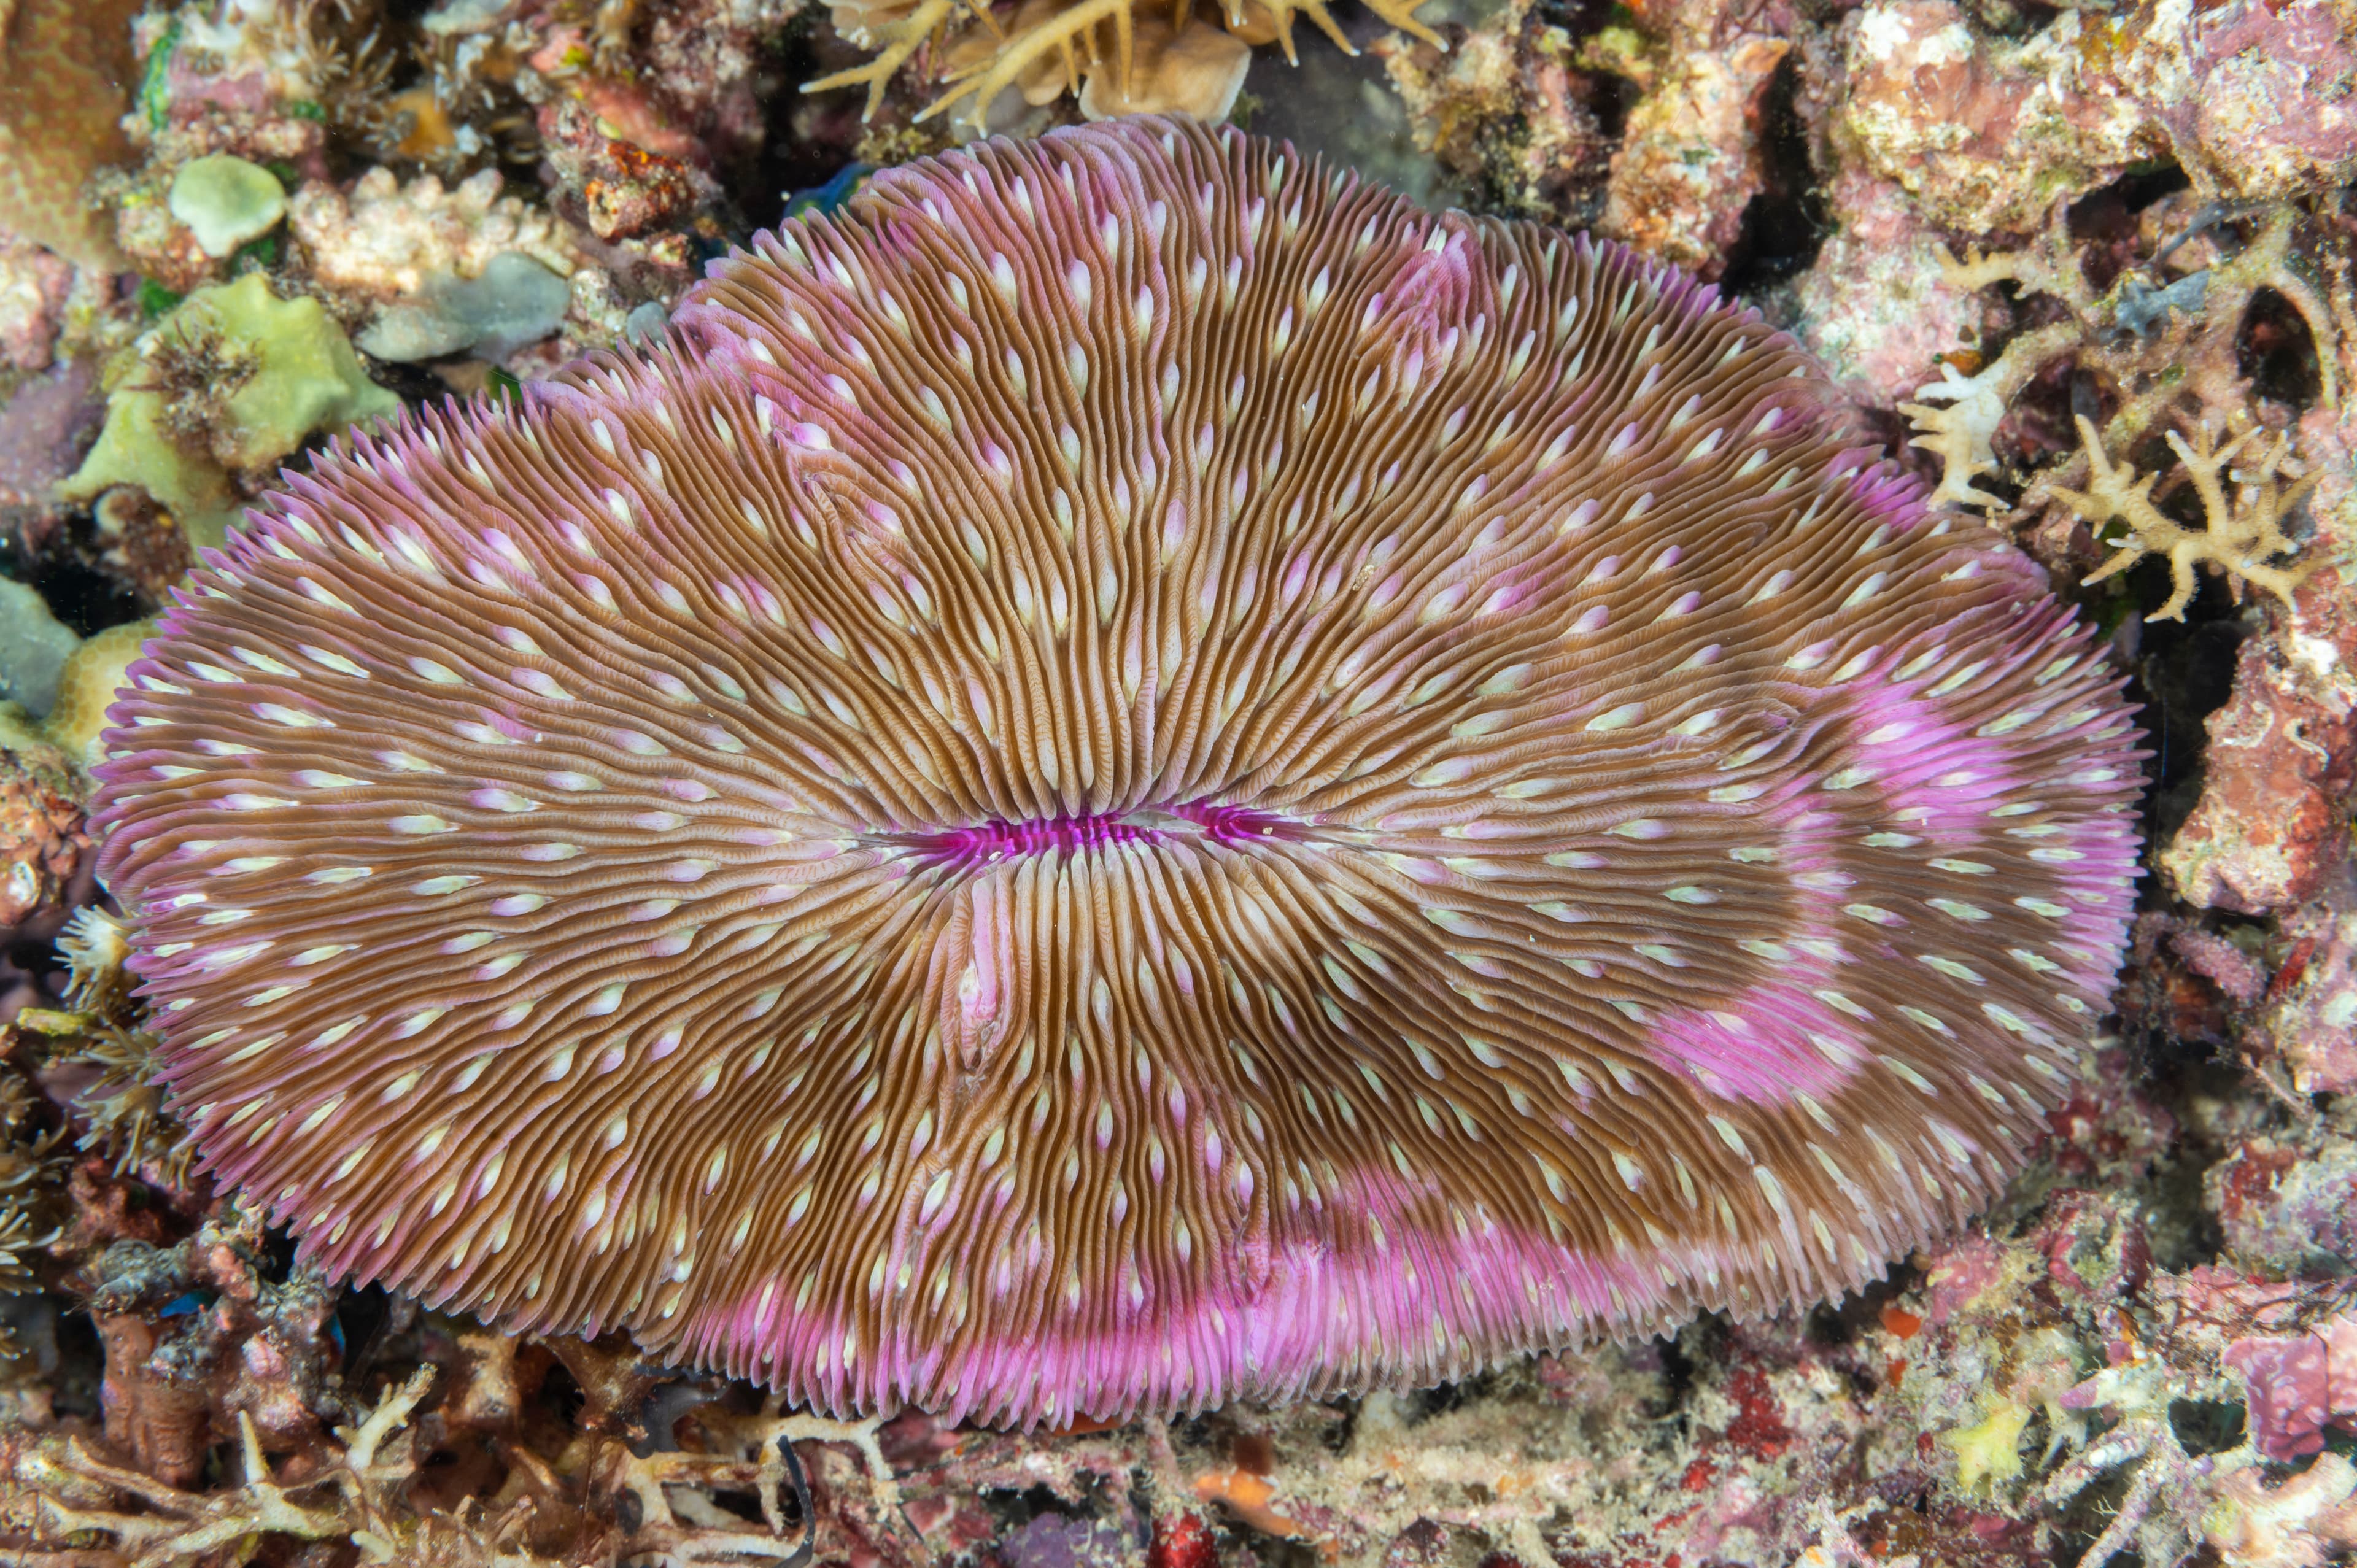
x=57, y=1490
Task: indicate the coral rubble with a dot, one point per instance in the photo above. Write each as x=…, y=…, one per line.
x=1989, y=132
x=1691, y=159
x=2271, y=823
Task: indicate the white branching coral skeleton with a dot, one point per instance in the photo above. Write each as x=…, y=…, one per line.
x=2240, y=535
x=1961, y=433
x=1117, y=57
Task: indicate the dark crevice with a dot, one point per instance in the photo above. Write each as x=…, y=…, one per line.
x=1611, y=98
x=1340, y=1435
x=278, y=1253
x=2183, y=673
x=560, y=1397
x=2206, y=1426
x=361, y=1313
x=2180, y=1229
x=82, y=597
x=2014, y=19
x=1681, y=1355
x=2040, y=426
x=2104, y=221
x=809, y=137
x=1841, y=1323
x=2140, y=187
x=401, y=16
x=1441, y=1398
x=1579, y=20
x=2275, y=348
x=1785, y=224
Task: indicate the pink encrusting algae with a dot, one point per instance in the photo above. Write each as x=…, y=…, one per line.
x=1131, y=775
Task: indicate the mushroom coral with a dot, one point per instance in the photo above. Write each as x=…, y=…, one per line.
x=1132, y=773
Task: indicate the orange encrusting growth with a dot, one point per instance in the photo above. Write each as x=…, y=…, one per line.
x=1135, y=775
x=1250, y=1495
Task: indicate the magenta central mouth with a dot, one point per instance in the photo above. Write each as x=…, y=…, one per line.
x=983, y=843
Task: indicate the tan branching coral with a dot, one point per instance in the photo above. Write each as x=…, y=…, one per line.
x=2166, y=343
x=2238, y=540
x=1975, y=403
x=1117, y=57
x=70, y=1489
x=1962, y=433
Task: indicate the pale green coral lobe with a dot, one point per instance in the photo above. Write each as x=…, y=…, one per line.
x=227, y=201
x=295, y=375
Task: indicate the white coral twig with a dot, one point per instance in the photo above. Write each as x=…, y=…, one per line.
x=1961, y=433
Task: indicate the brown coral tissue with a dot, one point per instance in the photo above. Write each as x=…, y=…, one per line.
x=1133, y=773
x=65, y=66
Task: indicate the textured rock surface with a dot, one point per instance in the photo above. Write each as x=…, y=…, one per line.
x=33, y=649
x=34, y=283
x=234, y=381
x=46, y=857
x=226, y=201
x=1690, y=159
x=2311, y=1024
x=1875, y=308
x=382, y=240
x=2288, y=1206
x=514, y=301
x=2251, y=100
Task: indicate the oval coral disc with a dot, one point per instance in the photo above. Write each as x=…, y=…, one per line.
x=1132, y=775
